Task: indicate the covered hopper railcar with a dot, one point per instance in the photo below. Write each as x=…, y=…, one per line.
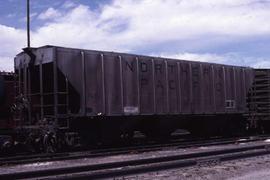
x=104, y=95
x=7, y=123
x=7, y=93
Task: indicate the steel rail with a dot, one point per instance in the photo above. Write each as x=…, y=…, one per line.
x=124, y=150
x=112, y=169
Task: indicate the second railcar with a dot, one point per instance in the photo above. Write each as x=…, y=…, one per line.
x=106, y=94
x=7, y=96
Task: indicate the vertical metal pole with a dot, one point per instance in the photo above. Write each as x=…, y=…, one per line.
x=24, y=79
x=191, y=104
x=224, y=86
x=201, y=80
x=154, y=86
x=29, y=92
x=138, y=85
x=167, y=87
x=55, y=85
x=214, y=88
x=41, y=90
x=20, y=77
x=83, y=98
x=103, y=83
x=235, y=98
x=179, y=87
x=67, y=96
x=121, y=83
x=244, y=89
x=67, y=102
x=28, y=23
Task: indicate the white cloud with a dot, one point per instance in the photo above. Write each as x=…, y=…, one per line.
x=69, y=4
x=188, y=19
x=132, y=24
x=11, y=40
x=206, y=57
x=180, y=25
x=263, y=63
x=50, y=13
x=227, y=58
x=6, y=64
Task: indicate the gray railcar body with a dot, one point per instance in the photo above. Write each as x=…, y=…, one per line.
x=118, y=84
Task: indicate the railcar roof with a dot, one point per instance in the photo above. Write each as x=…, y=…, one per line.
x=130, y=54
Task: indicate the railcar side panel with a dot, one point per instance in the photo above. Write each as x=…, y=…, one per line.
x=173, y=83
x=219, y=88
x=196, y=83
x=240, y=90
x=160, y=86
x=186, y=91
x=131, y=85
x=147, y=100
x=113, y=84
x=207, y=88
x=229, y=89
x=71, y=65
x=94, y=83
x=143, y=85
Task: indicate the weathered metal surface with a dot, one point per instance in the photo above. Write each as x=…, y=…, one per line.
x=124, y=84
x=1, y=90
x=6, y=99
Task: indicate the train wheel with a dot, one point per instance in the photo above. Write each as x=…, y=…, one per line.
x=127, y=137
x=30, y=143
x=6, y=147
x=50, y=143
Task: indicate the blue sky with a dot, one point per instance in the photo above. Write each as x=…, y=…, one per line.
x=12, y=12
x=226, y=31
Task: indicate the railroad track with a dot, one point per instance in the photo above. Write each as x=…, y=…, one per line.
x=143, y=165
x=24, y=159
x=139, y=148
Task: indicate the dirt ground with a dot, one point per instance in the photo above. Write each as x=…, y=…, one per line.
x=246, y=169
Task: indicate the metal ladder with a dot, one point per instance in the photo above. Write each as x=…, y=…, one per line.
x=258, y=101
